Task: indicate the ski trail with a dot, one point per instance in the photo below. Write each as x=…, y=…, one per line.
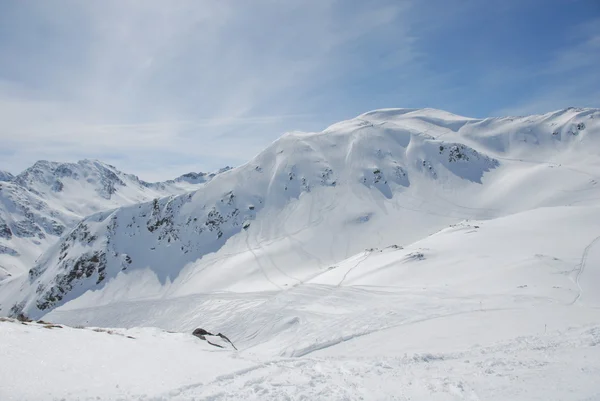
x=272, y=262
x=302, y=352
x=367, y=254
x=262, y=269
x=581, y=268
x=553, y=164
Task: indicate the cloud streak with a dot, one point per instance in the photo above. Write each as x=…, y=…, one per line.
x=156, y=87
x=136, y=77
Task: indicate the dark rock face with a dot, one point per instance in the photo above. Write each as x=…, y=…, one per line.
x=8, y=251
x=201, y=332
x=5, y=231
x=226, y=339
x=84, y=266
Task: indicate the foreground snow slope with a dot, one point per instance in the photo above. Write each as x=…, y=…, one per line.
x=82, y=364
x=53, y=363
x=311, y=200
x=49, y=198
x=484, y=310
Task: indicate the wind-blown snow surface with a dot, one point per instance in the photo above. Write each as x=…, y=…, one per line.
x=404, y=254
x=49, y=198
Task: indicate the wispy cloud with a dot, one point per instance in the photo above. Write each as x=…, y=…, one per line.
x=159, y=87
x=130, y=77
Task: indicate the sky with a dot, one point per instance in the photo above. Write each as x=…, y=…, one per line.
x=160, y=88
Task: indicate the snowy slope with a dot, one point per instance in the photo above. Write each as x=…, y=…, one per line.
x=484, y=310
x=310, y=200
x=544, y=264
x=41, y=203
x=85, y=364
x=403, y=254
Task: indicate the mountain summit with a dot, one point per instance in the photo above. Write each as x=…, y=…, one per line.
x=5, y=176
x=309, y=201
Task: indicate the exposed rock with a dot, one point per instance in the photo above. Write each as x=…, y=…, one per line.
x=203, y=334
x=8, y=251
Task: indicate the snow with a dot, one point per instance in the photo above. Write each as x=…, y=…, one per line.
x=368, y=261
x=70, y=363
x=49, y=198
x=5, y=176
x=311, y=200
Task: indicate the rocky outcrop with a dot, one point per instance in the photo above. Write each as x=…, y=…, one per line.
x=217, y=340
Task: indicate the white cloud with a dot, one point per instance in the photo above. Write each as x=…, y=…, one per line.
x=159, y=87
x=133, y=79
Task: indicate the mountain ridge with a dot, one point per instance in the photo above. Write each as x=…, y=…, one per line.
x=40, y=203
x=270, y=223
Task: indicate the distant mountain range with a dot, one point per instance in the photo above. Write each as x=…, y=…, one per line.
x=49, y=198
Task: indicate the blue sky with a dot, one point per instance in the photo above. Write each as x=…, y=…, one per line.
x=160, y=88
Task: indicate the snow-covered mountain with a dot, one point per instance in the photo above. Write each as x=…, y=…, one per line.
x=311, y=200
x=402, y=254
x=6, y=176
x=49, y=198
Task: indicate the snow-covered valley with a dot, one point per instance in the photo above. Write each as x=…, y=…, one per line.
x=406, y=254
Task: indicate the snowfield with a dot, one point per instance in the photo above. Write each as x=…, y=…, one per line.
x=69, y=363
x=401, y=255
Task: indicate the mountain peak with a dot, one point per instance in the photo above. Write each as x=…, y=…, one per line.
x=6, y=176
x=49, y=174
x=393, y=114
x=96, y=163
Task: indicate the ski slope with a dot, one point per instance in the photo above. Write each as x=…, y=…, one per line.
x=368, y=261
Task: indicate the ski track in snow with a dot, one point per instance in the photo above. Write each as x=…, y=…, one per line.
x=262, y=268
x=581, y=268
x=322, y=346
x=365, y=257
x=478, y=373
x=552, y=164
